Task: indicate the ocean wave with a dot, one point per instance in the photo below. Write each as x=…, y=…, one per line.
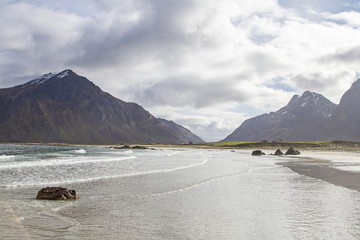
x=71, y=161
x=127, y=152
x=81, y=151
x=6, y=156
x=111, y=177
x=124, y=152
x=147, y=172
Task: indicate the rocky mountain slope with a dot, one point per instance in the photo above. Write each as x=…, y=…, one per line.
x=183, y=133
x=345, y=121
x=302, y=119
x=67, y=108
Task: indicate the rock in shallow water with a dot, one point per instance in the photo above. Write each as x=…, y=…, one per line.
x=57, y=193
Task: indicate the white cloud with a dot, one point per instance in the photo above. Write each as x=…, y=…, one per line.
x=202, y=63
x=329, y=83
x=35, y=39
x=351, y=18
x=204, y=121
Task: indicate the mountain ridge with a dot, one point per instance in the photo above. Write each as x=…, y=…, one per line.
x=345, y=122
x=187, y=135
x=65, y=107
x=306, y=118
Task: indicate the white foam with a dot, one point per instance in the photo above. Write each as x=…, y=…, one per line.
x=6, y=156
x=81, y=151
x=124, y=152
x=113, y=176
x=71, y=161
x=173, y=153
x=128, y=152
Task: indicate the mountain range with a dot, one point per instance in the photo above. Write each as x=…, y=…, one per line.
x=310, y=117
x=67, y=108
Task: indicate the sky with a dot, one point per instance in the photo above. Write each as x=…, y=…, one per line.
x=207, y=65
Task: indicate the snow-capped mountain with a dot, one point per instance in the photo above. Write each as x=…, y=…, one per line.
x=67, y=108
x=301, y=120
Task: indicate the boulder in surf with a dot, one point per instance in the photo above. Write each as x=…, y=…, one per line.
x=57, y=193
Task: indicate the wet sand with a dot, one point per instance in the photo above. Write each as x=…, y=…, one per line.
x=327, y=169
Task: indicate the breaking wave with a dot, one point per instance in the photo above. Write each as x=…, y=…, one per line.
x=81, y=151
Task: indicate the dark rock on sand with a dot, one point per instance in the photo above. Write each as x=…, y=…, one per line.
x=279, y=152
x=257, y=153
x=57, y=193
x=292, y=151
x=139, y=147
x=131, y=147
x=123, y=147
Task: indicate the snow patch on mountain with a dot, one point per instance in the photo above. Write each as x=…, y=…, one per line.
x=46, y=77
x=63, y=74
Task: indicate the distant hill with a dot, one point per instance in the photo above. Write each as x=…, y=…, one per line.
x=67, y=108
x=183, y=133
x=310, y=117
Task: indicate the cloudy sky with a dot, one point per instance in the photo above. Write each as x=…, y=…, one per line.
x=205, y=64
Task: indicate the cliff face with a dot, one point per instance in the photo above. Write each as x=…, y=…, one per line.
x=65, y=107
x=345, y=121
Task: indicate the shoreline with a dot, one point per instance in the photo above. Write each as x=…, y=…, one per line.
x=317, y=165
x=317, y=160
x=326, y=173
x=336, y=146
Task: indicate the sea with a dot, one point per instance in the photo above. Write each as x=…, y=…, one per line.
x=168, y=194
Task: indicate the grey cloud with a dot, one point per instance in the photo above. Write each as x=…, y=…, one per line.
x=34, y=40
x=313, y=81
x=351, y=55
x=211, y=131
x=263, y=63
x=319, y=81
x=156, y=32
x=13, y=71
x=191, y=92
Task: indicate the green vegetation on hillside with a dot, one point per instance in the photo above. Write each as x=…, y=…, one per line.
x=330, y=145
x=318, y=145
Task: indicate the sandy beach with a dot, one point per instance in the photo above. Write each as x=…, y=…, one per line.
x=178, y=194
